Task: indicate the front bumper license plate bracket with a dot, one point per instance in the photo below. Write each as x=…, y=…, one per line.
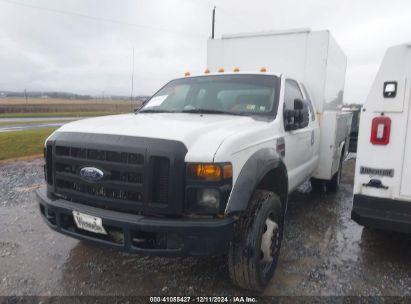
x=89, y=222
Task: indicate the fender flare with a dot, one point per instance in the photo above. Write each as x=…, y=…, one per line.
x=251, y=174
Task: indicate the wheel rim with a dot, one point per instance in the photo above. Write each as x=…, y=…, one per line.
x=269, y=243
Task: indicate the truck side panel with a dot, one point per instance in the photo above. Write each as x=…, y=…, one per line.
x=335, y=129
x=335, y=78
x=316, y=67
x=406, y=173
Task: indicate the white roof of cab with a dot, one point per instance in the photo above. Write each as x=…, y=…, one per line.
x=231, y=73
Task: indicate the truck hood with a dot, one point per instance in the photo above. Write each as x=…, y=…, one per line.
x=202, y=134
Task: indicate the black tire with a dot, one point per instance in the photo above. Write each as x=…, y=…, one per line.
x=334, y=184
x=249, y=268
x=317, y=185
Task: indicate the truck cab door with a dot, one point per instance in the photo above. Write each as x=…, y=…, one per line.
x=314, y=126
x=298, y=142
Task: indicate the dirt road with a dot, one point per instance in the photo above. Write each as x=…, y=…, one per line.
x=323, y=253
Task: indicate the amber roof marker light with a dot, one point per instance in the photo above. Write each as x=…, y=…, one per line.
x=206, y=71
x=221, y=70
x=187, y=74
x=236, y=69
x=263, y=70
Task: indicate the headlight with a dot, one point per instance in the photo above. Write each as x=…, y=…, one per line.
x=208, y=198
x=208, y=187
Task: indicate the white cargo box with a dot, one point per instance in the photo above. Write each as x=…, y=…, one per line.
x=390, y=162
x=311, y=57
x=382, y=183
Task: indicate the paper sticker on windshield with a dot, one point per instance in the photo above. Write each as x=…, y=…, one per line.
x=156, y=101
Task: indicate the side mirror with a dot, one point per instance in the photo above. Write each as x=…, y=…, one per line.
x=297, y=118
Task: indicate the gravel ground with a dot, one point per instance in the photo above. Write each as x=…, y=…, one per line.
x=323, y=253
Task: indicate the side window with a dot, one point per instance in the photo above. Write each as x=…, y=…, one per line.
x=292, y=91
x=310, y=104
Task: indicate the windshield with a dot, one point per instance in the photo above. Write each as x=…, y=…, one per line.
x=219, y=94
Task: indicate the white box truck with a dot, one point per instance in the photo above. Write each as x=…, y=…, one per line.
x=206, y=165
x=315, y=60
x=382, y=186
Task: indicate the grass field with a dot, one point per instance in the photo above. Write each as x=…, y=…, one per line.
x=51, y=101
x=56, y=114
x=23, y=143
x=28, y=123
x=53, y=106
x=18, y=144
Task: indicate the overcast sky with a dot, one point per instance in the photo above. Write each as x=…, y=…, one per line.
x=85, y=46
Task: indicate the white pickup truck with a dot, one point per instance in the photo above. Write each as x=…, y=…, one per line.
x=382, y=186
x=206, y=165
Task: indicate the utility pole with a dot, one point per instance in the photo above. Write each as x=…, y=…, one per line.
x=132, y=83
x=212, y=24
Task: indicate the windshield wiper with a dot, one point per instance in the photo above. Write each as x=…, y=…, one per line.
x=155, y=111
x=209, y=111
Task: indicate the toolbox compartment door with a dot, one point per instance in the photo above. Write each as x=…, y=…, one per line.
x=405, y=189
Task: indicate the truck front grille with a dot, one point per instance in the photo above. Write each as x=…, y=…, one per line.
x=99, y=190
x=123, y=172
x=161, y=169
x=49, y=164
x=93, y=154
x=140, y=175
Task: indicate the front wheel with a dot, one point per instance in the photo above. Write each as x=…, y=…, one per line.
x=253, y=254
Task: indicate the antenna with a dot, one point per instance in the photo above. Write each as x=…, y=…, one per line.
x=213, y=24
x=132, y=83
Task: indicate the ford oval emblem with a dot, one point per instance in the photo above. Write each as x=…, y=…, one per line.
x=91, y=173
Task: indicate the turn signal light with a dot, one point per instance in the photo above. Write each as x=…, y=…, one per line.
x=380, y=130
x=210, y=172
x=227, y=171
